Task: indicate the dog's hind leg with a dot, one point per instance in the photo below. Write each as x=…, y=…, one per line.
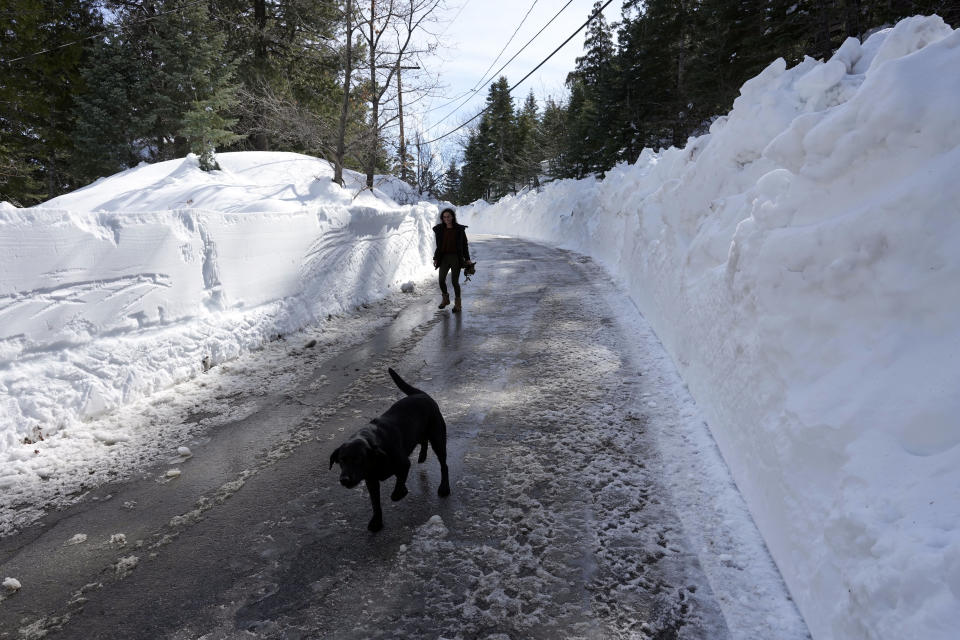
x=376, y=522
x=400, y=489
x=439, y=444
x=423, y=452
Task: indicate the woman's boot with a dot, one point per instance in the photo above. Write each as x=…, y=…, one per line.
x=456, y=305
x=445, y=301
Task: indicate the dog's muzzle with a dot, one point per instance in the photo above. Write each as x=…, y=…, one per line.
x=348, y=481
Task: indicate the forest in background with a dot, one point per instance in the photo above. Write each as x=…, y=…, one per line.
x=91, y=87
x=661, y=74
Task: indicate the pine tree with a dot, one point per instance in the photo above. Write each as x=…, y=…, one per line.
x=475, y=177
x=195, y=74
x=636, y=102
x=106, y=124
x=501, y=135
x=553, y=139
x=528, y=155
x=206, y=128
x=289, y=63
x=734, y=40
x=580, y=121
x=595, y=76
x=490, y=155
x=451, y=184
x=37, y=93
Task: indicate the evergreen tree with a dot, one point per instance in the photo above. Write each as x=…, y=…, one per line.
x=529, y=154
x=475, y=178
x=289, y=63
x=206, y=128
x=580, y=122
x=451, y=184
x=191, y=70
x=38, y=82
x=501, y=137
x=107, y=126
x=596, y=77
x=553, y=139
x=490, y=155
x=636, y=99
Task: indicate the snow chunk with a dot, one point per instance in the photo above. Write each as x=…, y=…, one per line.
x=110, y=438
x=11, y=584
x=79, y=538
x=434, y=528
x=125, y=566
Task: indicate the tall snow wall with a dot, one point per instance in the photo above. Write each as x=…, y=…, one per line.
x=801, y=264
x=98, y=309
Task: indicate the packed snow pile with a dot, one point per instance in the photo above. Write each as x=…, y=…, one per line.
x=152, y=276
x=801, y=262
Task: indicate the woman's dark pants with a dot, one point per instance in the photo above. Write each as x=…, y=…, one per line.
x=450, y=262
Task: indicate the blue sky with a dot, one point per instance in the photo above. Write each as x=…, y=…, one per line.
x=479, y=30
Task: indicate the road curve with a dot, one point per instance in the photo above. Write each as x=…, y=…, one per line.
x=558, y=525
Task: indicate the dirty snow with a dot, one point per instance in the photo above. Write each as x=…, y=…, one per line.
x=800, y=265
x=119, y=290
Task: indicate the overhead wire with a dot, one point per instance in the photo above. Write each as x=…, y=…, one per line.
x=497, y=72
x=504, y=48
x=98, y=34
x=482, y=81
x=449, y=24
x=532, y=71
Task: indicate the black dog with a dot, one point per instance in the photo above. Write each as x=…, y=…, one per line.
x=383, y=449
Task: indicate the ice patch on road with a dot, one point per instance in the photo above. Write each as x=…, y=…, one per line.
x=69, y=464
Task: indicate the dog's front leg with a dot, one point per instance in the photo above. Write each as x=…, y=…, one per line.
x=400, y=489
x=376, y=522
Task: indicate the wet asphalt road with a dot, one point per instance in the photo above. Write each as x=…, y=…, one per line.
x=557, y=526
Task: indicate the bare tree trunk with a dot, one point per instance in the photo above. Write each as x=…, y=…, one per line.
x=260, y=142
x=374, y=103
x=399, y=20
x=345, y=107
x=403, y=144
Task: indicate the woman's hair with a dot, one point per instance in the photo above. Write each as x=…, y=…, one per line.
x=452, y=212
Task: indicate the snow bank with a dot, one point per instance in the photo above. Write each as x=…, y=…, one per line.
x=800, y=262
x=151, y=276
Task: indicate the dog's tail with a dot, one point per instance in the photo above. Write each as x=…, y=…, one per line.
x=406, y=388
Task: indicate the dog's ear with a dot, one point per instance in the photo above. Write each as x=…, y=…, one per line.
x=335, y=457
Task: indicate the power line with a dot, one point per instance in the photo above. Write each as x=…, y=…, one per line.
x=449, y=24
x=474, y=91
x=482, y=81
x=512, y=36
x=99, y=33
x=532, y=71
x=530, y=41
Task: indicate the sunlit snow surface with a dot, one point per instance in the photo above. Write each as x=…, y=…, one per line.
x=800, y=265
x=147, y=278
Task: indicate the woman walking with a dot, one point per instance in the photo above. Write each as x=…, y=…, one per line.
x=452, y=255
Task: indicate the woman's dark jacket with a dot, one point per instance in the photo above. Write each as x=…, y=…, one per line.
x=463, y=251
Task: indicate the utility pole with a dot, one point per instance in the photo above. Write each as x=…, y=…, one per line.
x=260, y=141
x=405, y=25
x=403, y=142
x=342, y=128
x=375, y=103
